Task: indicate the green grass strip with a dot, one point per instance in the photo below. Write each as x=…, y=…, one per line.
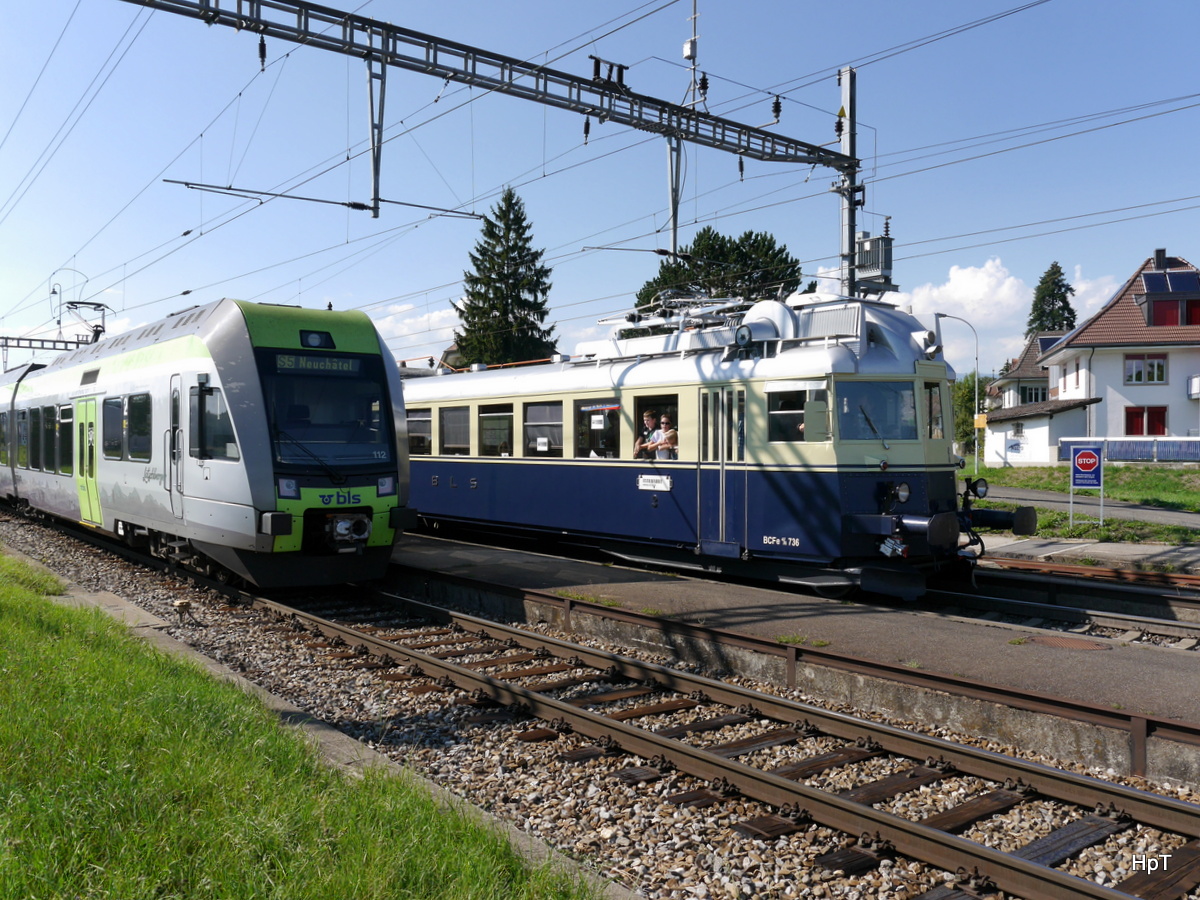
x=125, y=773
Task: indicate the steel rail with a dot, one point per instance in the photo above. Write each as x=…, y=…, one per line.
x=1009, y=873
x=1139, y=727
x=1064, y=613
x=1132, y=577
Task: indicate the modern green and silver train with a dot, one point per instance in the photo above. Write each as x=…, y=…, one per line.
x=263, y=441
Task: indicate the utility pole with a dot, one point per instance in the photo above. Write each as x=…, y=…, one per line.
x=607, y=99
x=849, y=186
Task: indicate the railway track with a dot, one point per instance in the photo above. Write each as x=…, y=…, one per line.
x=681, y=724
x=780, y=773
x=1129, y=613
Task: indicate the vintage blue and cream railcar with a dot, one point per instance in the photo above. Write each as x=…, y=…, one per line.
x=261, y=440
x=814, y=442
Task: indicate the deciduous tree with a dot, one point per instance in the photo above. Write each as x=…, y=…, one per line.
x=752, y=266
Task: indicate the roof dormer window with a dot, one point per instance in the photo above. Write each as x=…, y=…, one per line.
x=1170, y=298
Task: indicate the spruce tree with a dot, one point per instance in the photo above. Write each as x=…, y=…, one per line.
x=1051, y=310
x=504, y=307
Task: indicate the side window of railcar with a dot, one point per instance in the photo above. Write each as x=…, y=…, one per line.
x=113, y=427
x=933, y=410
x=211, y=429
x=420, y=432
x=138, y=429
x=454, y=427
x=543, y=429
x=648, y=415
x=66, y=442
x=3, y=438
x=49, y=442
x=597, y=428
x=785, y=416
x=496, y=429
x=35, y=438
x=23, y=438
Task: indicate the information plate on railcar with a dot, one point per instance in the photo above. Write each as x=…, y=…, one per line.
x=654, y=483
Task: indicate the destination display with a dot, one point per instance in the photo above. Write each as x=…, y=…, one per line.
x=293, y=363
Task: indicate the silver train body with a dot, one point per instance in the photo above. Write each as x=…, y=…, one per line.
x=814, y=444
x=258, y=440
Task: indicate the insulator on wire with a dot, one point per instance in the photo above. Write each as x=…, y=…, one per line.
x=587, y=128
x=838, y=127
x=262, y=53
x=703, y=85
x=777, y=107
x=741, y=169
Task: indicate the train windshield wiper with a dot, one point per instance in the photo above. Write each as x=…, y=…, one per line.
x=871, y=425
x=334, y=475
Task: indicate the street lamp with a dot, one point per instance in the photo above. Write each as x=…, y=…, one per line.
x=975, y=411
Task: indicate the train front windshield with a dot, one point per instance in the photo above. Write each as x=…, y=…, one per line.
x=876, y=410
x=328, y=410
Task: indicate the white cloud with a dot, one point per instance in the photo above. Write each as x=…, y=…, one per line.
x=413, y=331
x=1091, y=294
x=994, y=301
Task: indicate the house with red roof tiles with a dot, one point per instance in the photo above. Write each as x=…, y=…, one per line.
x=1129, y=375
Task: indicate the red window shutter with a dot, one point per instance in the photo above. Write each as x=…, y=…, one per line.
x=1135, y=420
x=1156, y=420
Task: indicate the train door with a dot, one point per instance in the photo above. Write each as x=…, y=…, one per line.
x=721, y=485
x=174, y=448
x=87, y=438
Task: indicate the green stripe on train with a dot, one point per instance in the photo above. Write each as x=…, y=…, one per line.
x=280, y=326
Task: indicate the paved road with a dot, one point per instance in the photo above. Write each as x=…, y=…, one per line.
x=1089, y=505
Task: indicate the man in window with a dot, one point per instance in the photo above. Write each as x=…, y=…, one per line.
x=650, y=434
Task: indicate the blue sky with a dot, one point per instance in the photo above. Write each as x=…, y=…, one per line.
x=997, y=137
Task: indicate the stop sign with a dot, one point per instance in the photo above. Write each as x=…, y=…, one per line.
x=1087, y=467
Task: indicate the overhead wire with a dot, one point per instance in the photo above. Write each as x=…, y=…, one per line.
x=51, y=150
x=311, y=175
x=41, y=72
x=727, y=213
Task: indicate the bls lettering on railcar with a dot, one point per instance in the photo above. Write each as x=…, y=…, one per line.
x=341, y=498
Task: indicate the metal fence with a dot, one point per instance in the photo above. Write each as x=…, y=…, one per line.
x=1137, y=449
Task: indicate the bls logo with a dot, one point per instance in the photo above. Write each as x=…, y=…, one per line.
x=340, y=498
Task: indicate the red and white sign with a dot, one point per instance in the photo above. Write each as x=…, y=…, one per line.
x=1087, y=468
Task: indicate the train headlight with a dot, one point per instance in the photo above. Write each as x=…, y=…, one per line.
x=317, y=340
x=289, y=489
x=978, y=487
x=386, y=486
x=902, y=492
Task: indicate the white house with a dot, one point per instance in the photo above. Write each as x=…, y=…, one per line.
x=1129, y=375
x=1026, y=429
